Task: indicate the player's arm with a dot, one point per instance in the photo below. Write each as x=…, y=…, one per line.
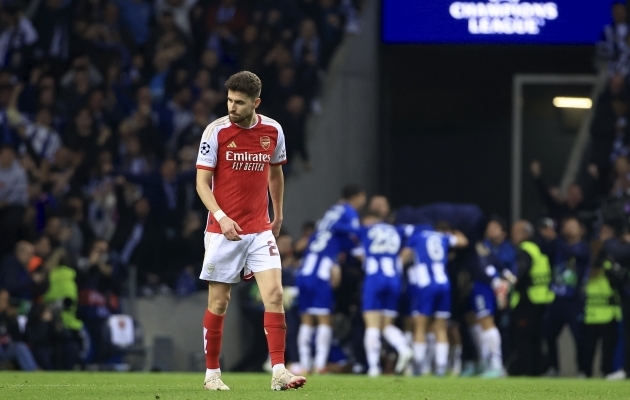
x=276, y=190
x=406, y=255
x=204, y=184
x=458, y=240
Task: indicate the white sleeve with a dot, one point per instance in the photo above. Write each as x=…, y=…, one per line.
x=208, y=149
x=358, y=251
x=409, y=230
x=280, y=154
x=452, y=240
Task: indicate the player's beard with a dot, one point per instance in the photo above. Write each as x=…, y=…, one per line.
x=239, y=118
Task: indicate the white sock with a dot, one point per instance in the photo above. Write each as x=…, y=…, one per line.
x=492, y=339
x=372, y=344
x=395, y=337
x=428, y=359
x=305, y=335
x=419, y=353
x=277, y=368
x=323, y=337
x=409, y=337
x=482, y=347
x=441, y=358
x=457, y=357
x=210, y=371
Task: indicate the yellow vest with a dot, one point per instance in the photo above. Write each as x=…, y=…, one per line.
x=602, y=302
x=540, y=273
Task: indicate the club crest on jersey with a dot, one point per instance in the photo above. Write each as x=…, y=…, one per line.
x=265, y=142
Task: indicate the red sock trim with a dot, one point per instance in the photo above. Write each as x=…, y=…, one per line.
x=276, y=331
x=213, y=328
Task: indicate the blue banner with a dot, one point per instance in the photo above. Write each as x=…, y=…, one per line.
x=494, y=21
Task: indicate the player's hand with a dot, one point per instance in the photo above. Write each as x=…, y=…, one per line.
x=275, y=226
x=535, y=168
x=230, y=229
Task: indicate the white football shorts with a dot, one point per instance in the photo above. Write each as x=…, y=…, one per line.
x=225, y=259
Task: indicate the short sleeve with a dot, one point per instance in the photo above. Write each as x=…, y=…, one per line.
x=406, y=231
x=208, y=149
x=452, y=240
x=280, y=153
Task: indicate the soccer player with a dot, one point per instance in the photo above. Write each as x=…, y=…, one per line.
x=432, y=290
x=240, y=158
x=320, y=272
x=488, y=292
x=381, y=245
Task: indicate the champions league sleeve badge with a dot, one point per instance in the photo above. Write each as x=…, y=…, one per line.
x=204, y=148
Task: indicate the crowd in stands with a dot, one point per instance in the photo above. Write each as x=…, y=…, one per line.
x=102, y=107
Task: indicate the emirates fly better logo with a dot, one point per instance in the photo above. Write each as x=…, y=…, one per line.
x=504, y=17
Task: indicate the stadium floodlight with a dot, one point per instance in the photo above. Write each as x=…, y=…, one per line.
x=573, y=102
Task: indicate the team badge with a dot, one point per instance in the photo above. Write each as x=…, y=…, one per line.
x=210, y=268
x=204, y=148
x=265, y=142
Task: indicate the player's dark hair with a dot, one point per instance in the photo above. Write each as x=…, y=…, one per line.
x=442, y=226
x=349, y=191
x=371, y=214
x=499, y=220
x=245, y=82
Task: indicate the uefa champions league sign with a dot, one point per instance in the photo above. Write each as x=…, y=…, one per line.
x=504, y=17
x=494, y=21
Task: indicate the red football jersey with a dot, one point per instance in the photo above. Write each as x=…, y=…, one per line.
x=240, y=158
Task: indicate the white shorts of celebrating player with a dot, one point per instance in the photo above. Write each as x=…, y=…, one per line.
x=224, y=259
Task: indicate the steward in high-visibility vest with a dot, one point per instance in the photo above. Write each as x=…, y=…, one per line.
x=537, y=289
x=602, y=301
x=529, y=300
x=602, y=313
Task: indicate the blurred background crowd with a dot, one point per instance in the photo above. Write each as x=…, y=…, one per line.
x=102, y=107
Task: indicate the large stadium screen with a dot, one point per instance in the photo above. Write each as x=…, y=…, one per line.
x=494, y=21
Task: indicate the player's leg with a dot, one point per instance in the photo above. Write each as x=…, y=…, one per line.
x=490, y=337
x=455, y=338
x=307, y=323
x=322, y=308
x=394, y=336
x=422, y=310
x=305, y=339
x=421, y=323
x=220, y=269
x=442, y=315
x=372, y=318
x=492, y=341
x=409, y=328
x=441, y=345
x=372, y=341
x=218, y=299
x=323, y=340
x=264, y=261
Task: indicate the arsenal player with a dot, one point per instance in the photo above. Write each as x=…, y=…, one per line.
x=240, y=158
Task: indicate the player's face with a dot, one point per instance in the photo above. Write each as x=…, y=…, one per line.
x=240, y=106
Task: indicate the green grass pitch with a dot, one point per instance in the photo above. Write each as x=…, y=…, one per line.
x=166, y=386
